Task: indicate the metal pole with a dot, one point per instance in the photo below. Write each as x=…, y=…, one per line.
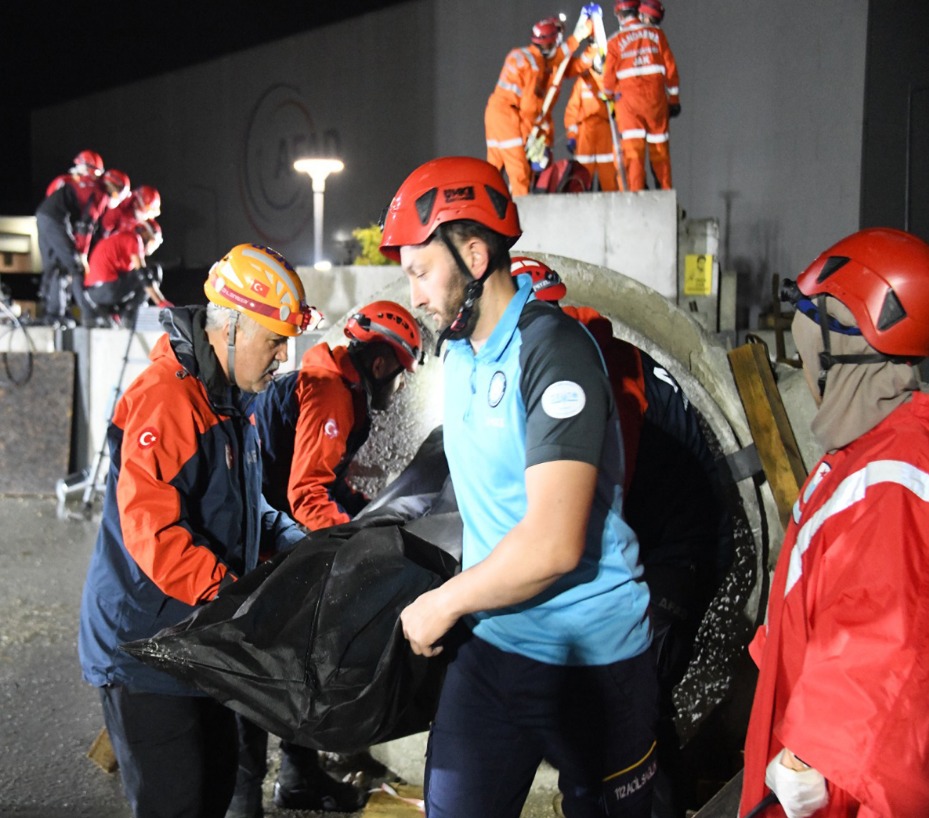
x=318, y=194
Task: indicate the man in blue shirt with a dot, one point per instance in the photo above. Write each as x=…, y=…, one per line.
x=553, y=659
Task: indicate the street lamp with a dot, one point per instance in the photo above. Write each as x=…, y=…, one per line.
x=318, y=169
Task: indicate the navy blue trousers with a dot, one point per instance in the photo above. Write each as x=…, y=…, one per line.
x=501, y=714
x=177, y=754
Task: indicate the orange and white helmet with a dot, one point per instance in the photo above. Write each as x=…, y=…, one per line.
x=389, y=323
x=260, y=283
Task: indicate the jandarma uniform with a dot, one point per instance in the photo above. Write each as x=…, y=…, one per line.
x=183, y=507
x=525, y=399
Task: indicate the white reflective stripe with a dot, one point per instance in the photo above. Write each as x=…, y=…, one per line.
x=505, y=143
x=531, y=57
x=509, y=86
x=639, y=71
x=638, y=133
x=657, y=138
x=595, y=158
x=673, y=91
x=850, y=491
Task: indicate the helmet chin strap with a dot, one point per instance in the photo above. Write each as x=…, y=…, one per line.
x=473, y=292
x=827, y=360
x=230, y=347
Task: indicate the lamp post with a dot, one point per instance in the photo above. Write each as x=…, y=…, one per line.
x=318, y=169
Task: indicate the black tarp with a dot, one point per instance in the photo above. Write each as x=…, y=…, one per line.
x=309, y=645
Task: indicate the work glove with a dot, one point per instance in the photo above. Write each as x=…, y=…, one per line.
x=674, y=110
x=535, y=148
x=571, y=145
x=540, y=165
x=592, y=10
x=801, y=792
x=584, y=27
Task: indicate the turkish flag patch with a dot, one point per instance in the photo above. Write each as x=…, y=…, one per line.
x=259, y=287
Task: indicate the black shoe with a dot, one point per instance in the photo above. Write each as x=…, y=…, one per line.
x=322, y=794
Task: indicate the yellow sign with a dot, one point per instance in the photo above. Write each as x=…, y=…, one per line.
x=698, y=274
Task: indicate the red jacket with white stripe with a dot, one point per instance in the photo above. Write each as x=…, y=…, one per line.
x=844, y=658
x=639, y=63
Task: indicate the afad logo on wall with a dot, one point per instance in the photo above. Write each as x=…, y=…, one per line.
x=277, y=199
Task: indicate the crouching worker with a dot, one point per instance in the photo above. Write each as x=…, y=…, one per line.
x=183, y=515
x=312, y=422
x=120, y=277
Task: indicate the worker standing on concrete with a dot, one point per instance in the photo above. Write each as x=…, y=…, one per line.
x=312, y=422
x=641, y=75
x=65, y=222
x=587, y=125
x=516, y=104
x=87, y=164
x=547, y=622
x=183, y=516
x=120, y=276
x=839, y=722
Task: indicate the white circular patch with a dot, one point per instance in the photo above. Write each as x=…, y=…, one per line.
x=497, y=389
x=563, y=399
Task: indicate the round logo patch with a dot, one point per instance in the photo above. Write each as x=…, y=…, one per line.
x=331, y=428
x=563, y=399
x=497, y=388
x=148, y=437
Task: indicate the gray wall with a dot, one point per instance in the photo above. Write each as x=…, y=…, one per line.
x=772, y=119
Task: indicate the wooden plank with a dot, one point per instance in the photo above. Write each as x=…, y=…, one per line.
x=770, y=427
x=101, y=753
x=384, y=804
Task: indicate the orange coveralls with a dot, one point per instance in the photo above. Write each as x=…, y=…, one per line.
x=641, y=74
x=586, y=119
x=516, y=105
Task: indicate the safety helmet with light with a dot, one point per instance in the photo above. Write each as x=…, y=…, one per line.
x=260, y=283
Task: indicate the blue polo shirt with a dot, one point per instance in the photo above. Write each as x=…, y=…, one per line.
x=537, y=392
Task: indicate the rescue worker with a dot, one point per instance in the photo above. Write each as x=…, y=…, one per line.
x=587, y=126
x=142, y=204
x=86, y=164
x=515, y=105
x=65, y=222
x=120, y=278
x=686, y=547
x=641, y=76
x=839, y=722
x=312, y=422
x=547, y=622
x=183, y=516
x=651, y=12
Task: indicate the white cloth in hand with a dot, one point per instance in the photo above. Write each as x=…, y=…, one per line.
x=801, y=792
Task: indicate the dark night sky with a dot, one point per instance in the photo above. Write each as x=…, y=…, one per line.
x=51, y=52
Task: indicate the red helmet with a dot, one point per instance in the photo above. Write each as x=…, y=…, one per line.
x=653, y=8
x=625, y=6
x=148, y=201
x=546, y=283
x=150, y=231
x=548, y=33
x=449, y=189
x=118, y=182
x=882, y=276
x=88, y=162
x=391, y=324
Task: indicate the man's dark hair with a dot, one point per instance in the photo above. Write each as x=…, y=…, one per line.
x=498, y=245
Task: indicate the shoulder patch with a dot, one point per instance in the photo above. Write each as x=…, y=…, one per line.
x=148, y=437
x=563, y=399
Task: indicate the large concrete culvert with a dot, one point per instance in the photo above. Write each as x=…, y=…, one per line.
x=713, y=698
